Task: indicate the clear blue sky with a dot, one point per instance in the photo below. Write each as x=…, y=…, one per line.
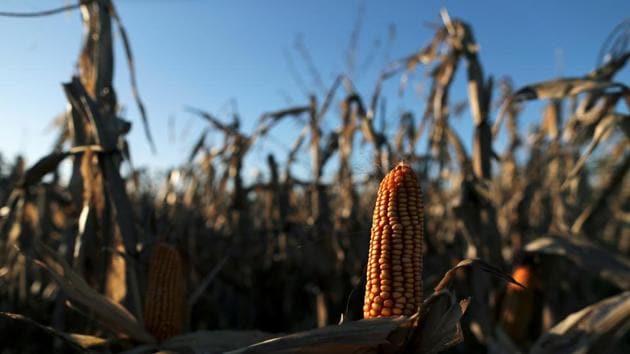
x=204, y=53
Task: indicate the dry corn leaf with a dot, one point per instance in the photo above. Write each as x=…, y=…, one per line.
x=132, y=75
x=112, y=315
x=439, y=326
x=79, y=341
x=591, y=258
x=614, y=181
x=364, y=336
x=211, y=342
x=562, y=88
x=42, y=167
x=597, y=328
x=610, y=68
x=603, y=130
x=476, y=263
x=198, y=146
x=436, y=328
x=269, y=119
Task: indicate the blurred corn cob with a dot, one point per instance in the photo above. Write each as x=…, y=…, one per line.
x=518, y=306
x=394, y=273
x=165, y=298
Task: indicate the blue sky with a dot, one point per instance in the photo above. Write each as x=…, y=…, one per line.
x=206, y=53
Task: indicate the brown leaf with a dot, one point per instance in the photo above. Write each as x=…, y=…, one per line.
x=112, y=315
x=211, y=342
x=42, y=167
x=597, y=328
x=132, y=75
x=364, y=336
x=439, y=326
x=589, y=257
x=477, y=263
x=602, y=131
x=564, y=87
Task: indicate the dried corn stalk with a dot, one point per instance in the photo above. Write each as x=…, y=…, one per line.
x=394, y=276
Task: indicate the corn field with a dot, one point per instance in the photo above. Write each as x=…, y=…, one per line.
x=462, y=248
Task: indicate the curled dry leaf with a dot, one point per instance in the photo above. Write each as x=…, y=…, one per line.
x=561, y=88
x=132, y=75
x=595, y=329
x=439, y=326
x=42, y=167
x=587, y=256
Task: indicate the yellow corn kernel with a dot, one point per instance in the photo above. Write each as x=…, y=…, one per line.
x=394, y=270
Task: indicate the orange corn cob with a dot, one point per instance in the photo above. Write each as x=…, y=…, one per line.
x=524, y=275
x=394, y=273
x=165, y=298
x=519, y=304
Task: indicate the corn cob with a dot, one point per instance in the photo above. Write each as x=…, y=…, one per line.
x=165, y=297
x=523, y=274
x=519, y=305
x=394, y=273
